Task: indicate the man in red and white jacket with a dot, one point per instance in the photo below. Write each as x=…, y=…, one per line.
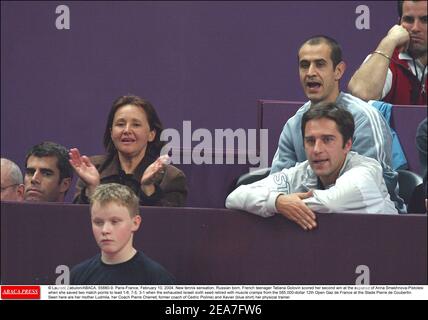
x=396, y=71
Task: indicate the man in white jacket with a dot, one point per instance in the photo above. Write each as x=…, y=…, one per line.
x=333, y=179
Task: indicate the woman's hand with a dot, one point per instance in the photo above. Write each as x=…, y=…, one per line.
x=84, y=169
x=154, y=174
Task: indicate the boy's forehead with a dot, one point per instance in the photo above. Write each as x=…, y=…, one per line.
x=109, y=207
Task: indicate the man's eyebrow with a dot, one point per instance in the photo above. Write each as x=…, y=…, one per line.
x=46, y=170
x=322, y=136
x=309, y=138
x=316, y=60
x=406, y=16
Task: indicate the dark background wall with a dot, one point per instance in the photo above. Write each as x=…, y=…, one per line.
x=207, y=62
x=202, y=246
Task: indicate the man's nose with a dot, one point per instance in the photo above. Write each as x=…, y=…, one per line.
x=318, y=147
x=416, y=26
x=35, y=178
x=311, y=69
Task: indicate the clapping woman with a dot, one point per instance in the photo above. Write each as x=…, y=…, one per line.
x=132, y=144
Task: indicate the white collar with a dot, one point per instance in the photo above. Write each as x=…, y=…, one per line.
x=404, y=56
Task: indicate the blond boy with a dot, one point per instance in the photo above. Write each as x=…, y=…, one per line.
x=115, y=217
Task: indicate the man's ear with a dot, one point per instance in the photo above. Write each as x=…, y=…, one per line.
x=348, y=145
x=65, y=185
x=340, y=70
x=20, y=191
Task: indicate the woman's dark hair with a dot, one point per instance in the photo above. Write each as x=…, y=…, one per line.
x=154, y=147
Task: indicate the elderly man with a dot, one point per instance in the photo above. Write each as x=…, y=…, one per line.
x=12, y=188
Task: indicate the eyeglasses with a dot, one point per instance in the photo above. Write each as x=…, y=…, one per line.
x=12, y=185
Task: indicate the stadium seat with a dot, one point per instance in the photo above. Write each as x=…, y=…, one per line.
x=407, y=182
x=253, y=176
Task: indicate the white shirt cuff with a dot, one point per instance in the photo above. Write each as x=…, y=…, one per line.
x=270, y=203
